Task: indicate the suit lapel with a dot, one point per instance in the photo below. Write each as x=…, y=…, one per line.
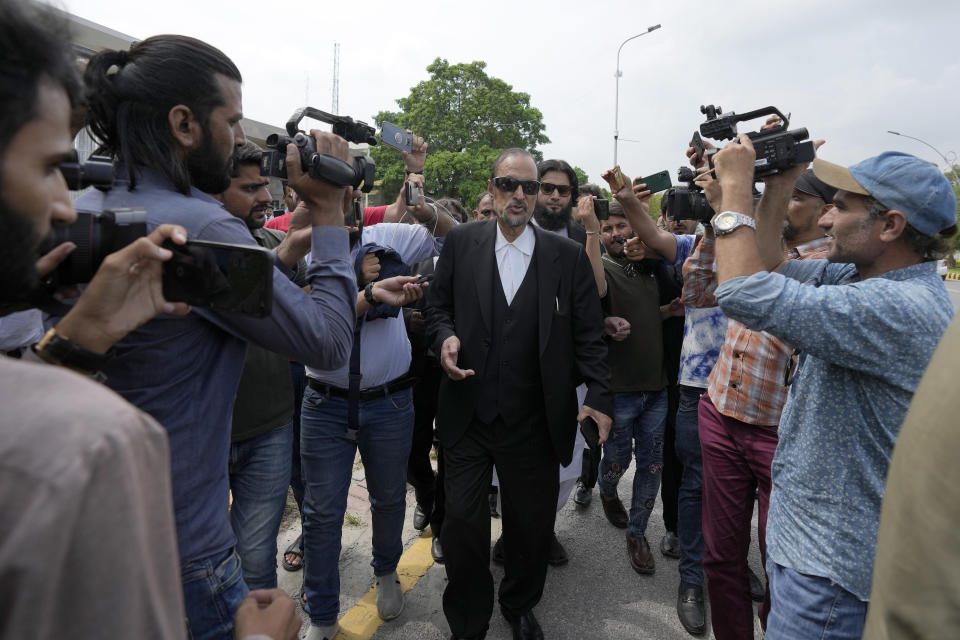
x=548, y=277
x=486, y=268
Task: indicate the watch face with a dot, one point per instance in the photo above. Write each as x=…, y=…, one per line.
x=725, y=221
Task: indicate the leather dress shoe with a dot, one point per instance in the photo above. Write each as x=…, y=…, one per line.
x=498, y=551
x=640, y=557
x=756, y=586
x=583, y=495
x=690, y=609
x=670, y=545
x=436, y=550
x=613, y=509
x=526, y=627
x=493, y=505
x=558, y=555
x=420, y=518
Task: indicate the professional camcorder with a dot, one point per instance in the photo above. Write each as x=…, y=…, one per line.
x=688, y=202
x=777, y=149
x=319, y=165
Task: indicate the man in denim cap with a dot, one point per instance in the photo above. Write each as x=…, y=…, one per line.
x=865, y=322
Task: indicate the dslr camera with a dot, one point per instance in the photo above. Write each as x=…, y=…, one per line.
x=777, y=148
x=321, y=166
x=686, y=202
x=96, y=235
x=97, y=172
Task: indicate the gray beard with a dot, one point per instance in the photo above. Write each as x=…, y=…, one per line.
x=553, y=221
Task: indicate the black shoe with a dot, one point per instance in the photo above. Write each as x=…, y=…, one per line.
x=756, y=587
x=558, y=555
x=526, y=627
x=498, y=551
x=436, y=550
x=584, y=494
x=669, y=545
x=613, y=509
x=420, y=518
x=690, y=609
x=493, y=505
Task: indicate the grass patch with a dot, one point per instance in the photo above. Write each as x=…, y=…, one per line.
x=352, y=520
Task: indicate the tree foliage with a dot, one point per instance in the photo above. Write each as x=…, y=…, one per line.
x=467, y=118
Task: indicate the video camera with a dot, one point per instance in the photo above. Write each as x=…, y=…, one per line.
x=320, y=165
x=686, y=203
x=777, y=149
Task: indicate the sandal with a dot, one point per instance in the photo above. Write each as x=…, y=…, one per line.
x=296, y=548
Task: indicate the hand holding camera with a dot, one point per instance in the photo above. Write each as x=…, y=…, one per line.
x=586, y=213
x=125, y=293
x=325, y=201
x=734, y=166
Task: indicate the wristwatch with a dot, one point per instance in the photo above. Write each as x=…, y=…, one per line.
x=58, y=349
x=729, y=221
x=368, y=295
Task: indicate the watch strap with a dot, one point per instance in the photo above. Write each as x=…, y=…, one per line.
x=740, y=220
x=57, y=348
x=368, y=295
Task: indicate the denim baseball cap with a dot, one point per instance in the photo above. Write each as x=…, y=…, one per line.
x=900, y=181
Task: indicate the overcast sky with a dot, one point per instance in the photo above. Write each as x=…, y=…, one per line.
x=846, y=70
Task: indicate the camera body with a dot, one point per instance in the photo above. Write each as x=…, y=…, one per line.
x=318, y=165
x=686, y=202
x=97, y=172
x=96, y=235
x=777, y=148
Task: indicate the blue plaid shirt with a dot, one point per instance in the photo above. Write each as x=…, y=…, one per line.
x=864, y=345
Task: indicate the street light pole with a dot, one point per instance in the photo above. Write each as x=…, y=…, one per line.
x=616, y=101
x=945, y=160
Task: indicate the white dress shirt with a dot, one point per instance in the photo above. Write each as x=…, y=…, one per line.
x=513, y=259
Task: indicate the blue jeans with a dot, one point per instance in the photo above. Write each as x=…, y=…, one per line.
x=804, y=606
x=689, y=532
x=213, y=589
x=638, y=422
x=384, y=438
x=259, y=476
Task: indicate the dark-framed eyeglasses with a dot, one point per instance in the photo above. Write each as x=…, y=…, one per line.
x=509, y=185
x=562, y=189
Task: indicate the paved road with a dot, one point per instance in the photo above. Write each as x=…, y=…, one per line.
x=953, y=288
x=597, y=595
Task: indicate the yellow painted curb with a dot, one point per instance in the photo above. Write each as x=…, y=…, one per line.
x=953, y=275
x=362, y=621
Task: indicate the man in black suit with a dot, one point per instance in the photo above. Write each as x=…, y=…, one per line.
x=514, y=314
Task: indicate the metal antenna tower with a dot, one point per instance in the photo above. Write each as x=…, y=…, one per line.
x=335, y=98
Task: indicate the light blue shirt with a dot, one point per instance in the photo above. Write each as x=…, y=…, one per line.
x=384, y=345
x=864, y=346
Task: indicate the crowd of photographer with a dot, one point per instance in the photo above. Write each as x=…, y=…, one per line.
x=744, y=347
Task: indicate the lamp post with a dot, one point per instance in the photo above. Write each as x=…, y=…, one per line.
x=616, y=106
x=945, y=160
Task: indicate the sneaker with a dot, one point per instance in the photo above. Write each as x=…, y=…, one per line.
x=389, y=596
x=584, y=495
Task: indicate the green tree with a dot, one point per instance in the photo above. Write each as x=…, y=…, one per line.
x=467, y=118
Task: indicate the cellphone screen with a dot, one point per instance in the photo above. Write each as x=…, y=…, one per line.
x=220, y=276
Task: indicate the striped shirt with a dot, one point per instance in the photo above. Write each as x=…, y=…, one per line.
x=748, y=381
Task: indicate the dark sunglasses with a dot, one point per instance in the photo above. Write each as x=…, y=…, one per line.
x=509, y=185
x=547, y=188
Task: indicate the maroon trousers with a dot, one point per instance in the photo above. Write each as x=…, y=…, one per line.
x=736, y=459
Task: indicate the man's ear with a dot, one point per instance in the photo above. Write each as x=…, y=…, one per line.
x=892, y=225
x=490, y=187
x=184, y=127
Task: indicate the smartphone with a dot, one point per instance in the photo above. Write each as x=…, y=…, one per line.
x=423, y=279
x=657, y=182
x=412, y=193
x=698, y=149
x=394, y=136
x=601, y=208
x=617, y=181
x=591, y=432
x=235, y=278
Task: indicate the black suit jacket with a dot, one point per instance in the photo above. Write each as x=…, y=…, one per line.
x=570, y=328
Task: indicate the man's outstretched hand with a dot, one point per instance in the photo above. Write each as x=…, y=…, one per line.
x=604, y=422
x=449, y=351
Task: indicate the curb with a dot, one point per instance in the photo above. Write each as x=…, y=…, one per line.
x=953, y=275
